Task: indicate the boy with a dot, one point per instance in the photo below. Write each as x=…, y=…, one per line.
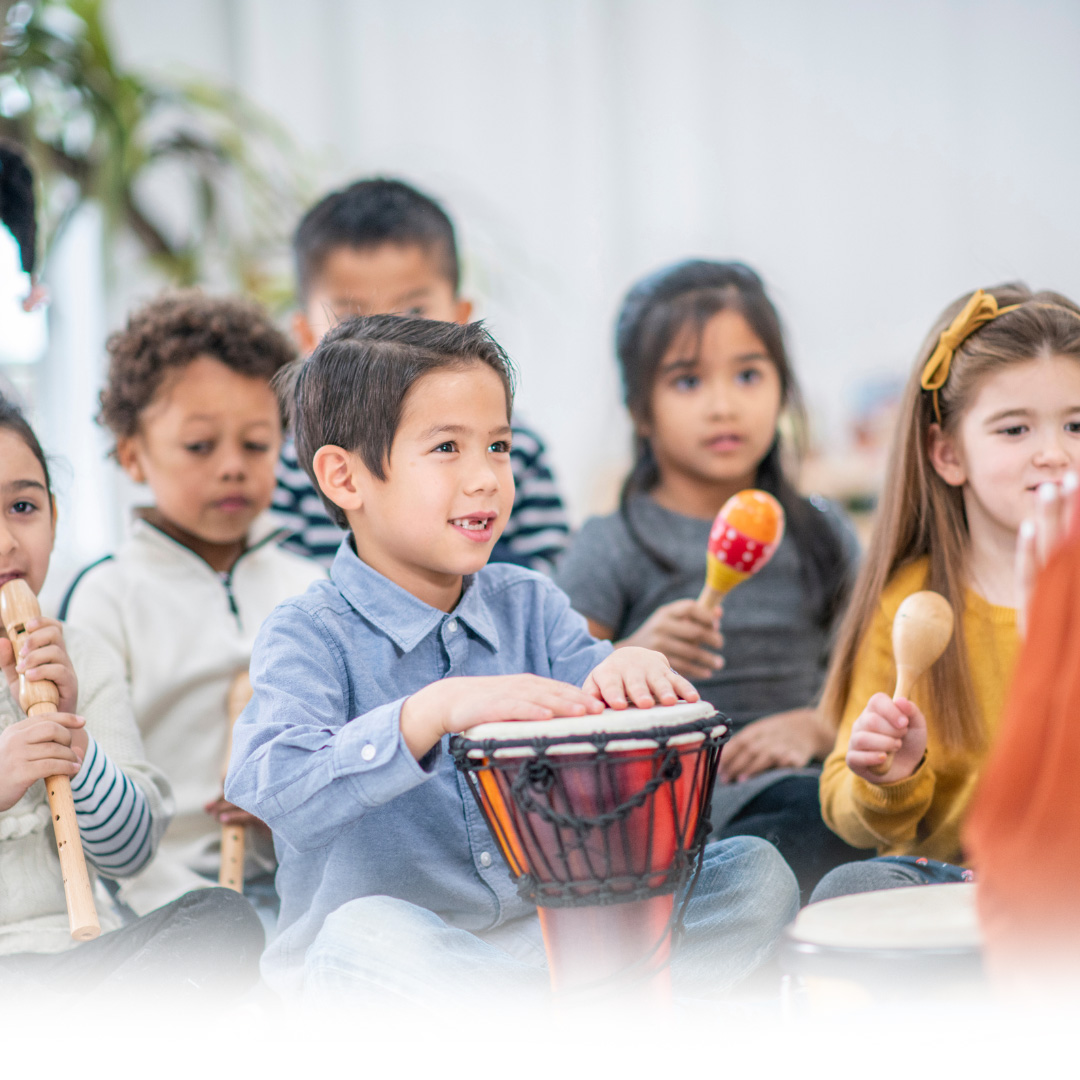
x=390, y=882
x=189, y=401
x=381, y=247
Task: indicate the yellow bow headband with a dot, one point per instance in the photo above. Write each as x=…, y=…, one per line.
x=981, y=308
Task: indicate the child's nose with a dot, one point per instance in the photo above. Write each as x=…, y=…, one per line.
x=232, y=463
x=1053, y=450
x=7, y=541
x=721, y=401
x=482, y=476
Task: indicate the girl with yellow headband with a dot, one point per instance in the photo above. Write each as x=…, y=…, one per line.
x=988, y=433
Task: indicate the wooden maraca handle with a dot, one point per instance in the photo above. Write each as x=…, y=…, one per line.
x=904, y=678
x=18, y=605
x=710, y=598
x=231, y=874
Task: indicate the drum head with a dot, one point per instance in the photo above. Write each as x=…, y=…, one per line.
x=923, y=917
x=626, y=723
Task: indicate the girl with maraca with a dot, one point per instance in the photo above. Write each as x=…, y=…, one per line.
x=989, y=430
x=707, y=379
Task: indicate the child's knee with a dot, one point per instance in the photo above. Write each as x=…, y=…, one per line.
x=757, y=870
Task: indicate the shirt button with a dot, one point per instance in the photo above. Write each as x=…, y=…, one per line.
x=368, y=752
x=485, y=858
x=452, y=625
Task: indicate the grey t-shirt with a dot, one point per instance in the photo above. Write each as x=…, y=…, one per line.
x=775, y=645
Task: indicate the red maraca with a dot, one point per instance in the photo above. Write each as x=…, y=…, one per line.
x=742, y=540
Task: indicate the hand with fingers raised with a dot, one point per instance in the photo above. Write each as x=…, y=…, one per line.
x=640, y=677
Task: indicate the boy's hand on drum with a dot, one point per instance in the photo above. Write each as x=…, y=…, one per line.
x=40, y=746
x=42, y=656
x=1041, y=535
x=457, y=703
x=887, y=727
x=641, y=677
x=686, y=634
x=787, y=740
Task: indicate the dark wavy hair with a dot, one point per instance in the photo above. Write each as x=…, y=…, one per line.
x=654, y=313
x=169, y=333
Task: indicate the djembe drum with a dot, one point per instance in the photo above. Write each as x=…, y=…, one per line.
x=603, y=819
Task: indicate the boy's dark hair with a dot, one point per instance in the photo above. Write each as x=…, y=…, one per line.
x=368, y=214
x=17, y=201
x=352, y=390
x=169, y=333
x=12, y=419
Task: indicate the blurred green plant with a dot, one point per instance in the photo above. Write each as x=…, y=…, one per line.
x=206, y=183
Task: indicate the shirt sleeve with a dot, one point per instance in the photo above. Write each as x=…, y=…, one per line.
x=572, y=650
x=113, y=815
x=538, y=529
x=298, y=762
x=589, y=575
x=882, y=816
x=122, y=802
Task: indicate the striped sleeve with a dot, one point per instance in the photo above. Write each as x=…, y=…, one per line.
x=113, y=815
x=538, y=530
x=298, y=508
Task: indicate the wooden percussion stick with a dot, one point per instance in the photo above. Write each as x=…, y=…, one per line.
x=921, y=630
x=18, y=605
x=231, y=875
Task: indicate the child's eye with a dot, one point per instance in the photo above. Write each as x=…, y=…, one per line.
x=501, y=446
x=1073, y=427
x=257, y=447
x=416, y=310
x=749, y=376
x=445, y=448
x=23, y=507
x=1016, y=429
x=686, y=382
x=201, y=448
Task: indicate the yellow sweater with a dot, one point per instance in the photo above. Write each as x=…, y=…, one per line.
x=923, y=814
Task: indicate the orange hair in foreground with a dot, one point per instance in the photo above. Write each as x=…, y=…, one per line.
x=1023, y=831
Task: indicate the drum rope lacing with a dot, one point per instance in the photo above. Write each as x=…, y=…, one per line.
x=586, y=858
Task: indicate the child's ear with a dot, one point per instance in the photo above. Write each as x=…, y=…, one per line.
x=463, y=310
x=304, y=334
x=944, y=454
x=336, y=472
x=127, y=454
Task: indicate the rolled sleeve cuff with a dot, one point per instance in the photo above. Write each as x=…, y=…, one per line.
x=903, y=795
x=371, y=754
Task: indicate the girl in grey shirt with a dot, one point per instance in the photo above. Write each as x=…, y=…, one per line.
x=707, y=380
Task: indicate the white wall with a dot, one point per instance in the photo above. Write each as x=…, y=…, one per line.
x=872, y=161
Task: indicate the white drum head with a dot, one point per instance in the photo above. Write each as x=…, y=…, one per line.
x=929, y=917
x=608, y=722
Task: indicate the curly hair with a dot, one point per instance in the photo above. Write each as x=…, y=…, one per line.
x=170, y=332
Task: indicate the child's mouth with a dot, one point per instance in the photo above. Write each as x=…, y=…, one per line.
x=476, y=527
x=232, y=504
x=724, y=443
x=10, y=575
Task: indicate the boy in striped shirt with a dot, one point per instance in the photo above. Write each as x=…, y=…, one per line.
x=381, y=247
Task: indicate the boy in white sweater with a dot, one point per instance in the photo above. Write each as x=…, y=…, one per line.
x=189, y=402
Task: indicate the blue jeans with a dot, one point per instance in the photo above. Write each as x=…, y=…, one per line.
x=385, y=950
x=887, y=872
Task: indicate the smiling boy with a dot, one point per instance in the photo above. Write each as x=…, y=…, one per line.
x=391, y=885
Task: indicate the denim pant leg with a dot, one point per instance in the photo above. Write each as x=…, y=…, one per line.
x=744, y=898
x=886, y=872
x=388, y=952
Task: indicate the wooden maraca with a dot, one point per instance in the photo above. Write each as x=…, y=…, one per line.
x=18, y=605
x=742, y=540
x=231, y=874
x=921, y=630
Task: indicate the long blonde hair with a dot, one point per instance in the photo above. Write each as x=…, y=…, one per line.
x=920, y=515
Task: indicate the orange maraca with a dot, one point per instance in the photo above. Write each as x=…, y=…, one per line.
x=742, y=540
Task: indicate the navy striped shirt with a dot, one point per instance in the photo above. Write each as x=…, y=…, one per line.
x=112, y=814
x=535, y=534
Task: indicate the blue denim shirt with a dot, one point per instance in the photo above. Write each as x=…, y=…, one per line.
x=319, y=756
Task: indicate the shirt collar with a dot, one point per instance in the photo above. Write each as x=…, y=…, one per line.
x=261, y=532
x=403, y=618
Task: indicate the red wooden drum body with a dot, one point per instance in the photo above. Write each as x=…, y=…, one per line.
x=602, y=820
